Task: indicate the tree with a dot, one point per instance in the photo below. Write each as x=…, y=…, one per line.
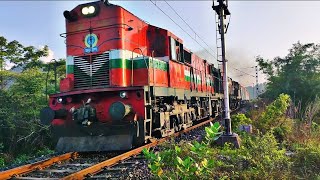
x=24, y=57
x=22, y=96
x=297, y=74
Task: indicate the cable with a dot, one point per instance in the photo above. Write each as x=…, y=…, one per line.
x=243, y=72
x=248, y=67
x=189, y=26
x=182, y=29
x=193, y=32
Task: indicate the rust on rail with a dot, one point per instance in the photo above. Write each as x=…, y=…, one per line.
x=100, y=166
x=11, y=173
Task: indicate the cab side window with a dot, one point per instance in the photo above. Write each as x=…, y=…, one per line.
x=176, y=50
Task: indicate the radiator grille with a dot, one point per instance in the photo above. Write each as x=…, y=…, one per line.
x=91, y=71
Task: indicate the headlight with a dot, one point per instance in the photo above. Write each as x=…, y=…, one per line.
x=85, y=11
x=89, y=10
x=123, y=94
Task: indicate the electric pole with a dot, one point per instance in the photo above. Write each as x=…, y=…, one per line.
x=222, y=11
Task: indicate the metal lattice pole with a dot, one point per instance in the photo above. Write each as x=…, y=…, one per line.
x=222, y=10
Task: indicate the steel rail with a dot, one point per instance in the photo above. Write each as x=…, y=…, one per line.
x=90, y=171
x=16, y=172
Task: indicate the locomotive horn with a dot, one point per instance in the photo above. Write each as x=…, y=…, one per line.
x=70, y=16
x=106, y=2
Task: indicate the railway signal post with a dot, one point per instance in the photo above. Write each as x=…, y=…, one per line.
x=222, y=11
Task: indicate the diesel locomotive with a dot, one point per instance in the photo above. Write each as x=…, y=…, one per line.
x=128, y=81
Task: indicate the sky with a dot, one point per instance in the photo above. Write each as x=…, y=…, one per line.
x=265, y=28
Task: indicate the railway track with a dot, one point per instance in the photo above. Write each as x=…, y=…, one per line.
x=74, y=166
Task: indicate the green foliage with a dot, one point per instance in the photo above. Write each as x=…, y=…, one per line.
x=262, y=158
x=306, y=161
x=2, y=164
x=279, y=149
x=212, y=132
x=21, y=159
x=296, y=74
x=20, y=127
x=259, y=157
x=44, y=151
x=178, y=163
x=21, y=56
x=274, y=115
x=22, y=96
x=239, y=119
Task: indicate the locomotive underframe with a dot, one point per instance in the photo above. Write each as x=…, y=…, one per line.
x=167, y=110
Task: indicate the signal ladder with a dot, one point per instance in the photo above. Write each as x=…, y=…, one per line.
x=218, y=39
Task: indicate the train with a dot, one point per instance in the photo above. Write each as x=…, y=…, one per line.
x=128, y=81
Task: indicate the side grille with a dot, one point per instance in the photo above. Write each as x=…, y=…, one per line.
x=91, y=71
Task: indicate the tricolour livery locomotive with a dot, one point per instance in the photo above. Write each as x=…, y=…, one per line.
x=128, y=81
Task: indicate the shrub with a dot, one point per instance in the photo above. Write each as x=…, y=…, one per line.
x=21, y=159
x=239, y=119
x=262, y=155
x=44, y=151
x=186, y=162
x=306, y=161
x=274, y=115
x=2, y=164
x=259, y=157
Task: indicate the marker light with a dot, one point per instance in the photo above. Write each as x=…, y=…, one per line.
x=123, y=94
x=59, y=100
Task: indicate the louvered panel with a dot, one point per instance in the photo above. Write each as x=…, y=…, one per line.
x=92, y=72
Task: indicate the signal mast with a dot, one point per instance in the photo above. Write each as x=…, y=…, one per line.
x=222, y=11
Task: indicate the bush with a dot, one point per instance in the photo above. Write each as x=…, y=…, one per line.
x=2, y=164
x=21, y=159
x=274, y=114
x=306, y=161
x=239, y=119
x=20, y=128
x=259, y=157
x=44, y=151
x=189, y=161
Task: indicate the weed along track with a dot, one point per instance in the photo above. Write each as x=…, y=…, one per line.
x=73, y=166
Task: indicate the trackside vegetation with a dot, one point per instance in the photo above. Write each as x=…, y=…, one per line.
x=284, y=143
x=278, y=148
x=23, y=79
